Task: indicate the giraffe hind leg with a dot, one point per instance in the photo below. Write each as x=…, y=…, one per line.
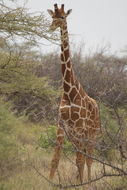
x=56, y=157
x=89, y=160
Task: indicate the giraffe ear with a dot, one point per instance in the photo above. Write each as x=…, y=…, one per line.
x=68, y=12
x=50, y=12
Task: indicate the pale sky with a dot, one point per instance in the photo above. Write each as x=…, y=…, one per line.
x=93, y=22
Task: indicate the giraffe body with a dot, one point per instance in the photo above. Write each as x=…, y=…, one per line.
x=78, y=113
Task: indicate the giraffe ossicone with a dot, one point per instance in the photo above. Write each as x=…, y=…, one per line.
x=78, y=113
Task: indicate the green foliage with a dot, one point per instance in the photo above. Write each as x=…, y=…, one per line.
x=48, y=139
x=16, y=20
x=109, y=139
x=22, y=80
x=108, y=119
x=8, y=141
x=30, y=94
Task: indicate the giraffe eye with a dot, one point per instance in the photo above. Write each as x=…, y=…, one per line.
x=62, y=17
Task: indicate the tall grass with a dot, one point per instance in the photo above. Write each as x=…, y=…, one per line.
x=24, y=163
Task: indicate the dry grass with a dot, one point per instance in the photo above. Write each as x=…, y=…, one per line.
x=28, y=178
x=35, y=165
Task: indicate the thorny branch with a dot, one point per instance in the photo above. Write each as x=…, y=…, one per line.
x=61, y=186
x=18, y=22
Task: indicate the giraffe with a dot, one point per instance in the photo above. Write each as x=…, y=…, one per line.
x=78, y=113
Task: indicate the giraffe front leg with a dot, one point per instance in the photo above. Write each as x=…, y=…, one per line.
x=56, y=157
x=80, y=162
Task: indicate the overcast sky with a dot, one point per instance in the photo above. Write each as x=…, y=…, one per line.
x=94, y=22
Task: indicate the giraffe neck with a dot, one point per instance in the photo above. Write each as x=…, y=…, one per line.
x=72, y=87
x=67, y=70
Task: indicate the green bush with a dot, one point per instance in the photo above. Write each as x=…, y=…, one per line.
x=31, y=94
x=8, y=142
x=108, y=140
x=48, y=139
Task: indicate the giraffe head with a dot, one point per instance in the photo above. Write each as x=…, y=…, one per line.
x=59, y=16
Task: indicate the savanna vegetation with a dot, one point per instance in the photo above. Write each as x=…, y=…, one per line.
x=30, y=90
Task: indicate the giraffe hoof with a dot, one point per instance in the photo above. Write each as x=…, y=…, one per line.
x=78, y=179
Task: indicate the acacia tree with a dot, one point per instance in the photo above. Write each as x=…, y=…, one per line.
x=20, y=32
x=18, y=21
